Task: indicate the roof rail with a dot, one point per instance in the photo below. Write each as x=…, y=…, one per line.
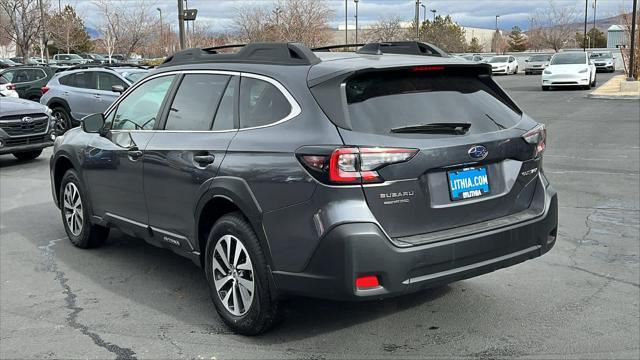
x=331, y=47
x=100, y=66
x=258, y=53
x=402, y=47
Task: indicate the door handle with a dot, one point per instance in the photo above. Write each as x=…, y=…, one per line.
x=134, y=154
x=204, y=159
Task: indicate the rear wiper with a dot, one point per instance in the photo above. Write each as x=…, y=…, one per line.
x=434, y=128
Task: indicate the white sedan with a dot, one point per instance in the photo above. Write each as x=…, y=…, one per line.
x=504, y=64
x=7, y=89
x=569, y=69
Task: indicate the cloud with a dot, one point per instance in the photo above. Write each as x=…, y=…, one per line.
x=218, y=14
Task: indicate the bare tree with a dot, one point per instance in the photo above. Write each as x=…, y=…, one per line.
x=23, y=23
x=305, y=21
x=386, y=29
x=555, y=25
x=125, y=25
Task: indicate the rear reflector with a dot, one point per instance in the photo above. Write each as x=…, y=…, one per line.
x=365, y=282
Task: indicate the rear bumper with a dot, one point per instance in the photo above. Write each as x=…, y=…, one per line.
x=357, y=249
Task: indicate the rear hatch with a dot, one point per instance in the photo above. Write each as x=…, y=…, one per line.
x=470, y=154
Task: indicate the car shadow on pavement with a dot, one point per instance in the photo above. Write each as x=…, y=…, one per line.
x=155, y=278
x=8, y=160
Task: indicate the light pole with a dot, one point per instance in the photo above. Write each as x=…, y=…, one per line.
x=181, y=24
x=161, y=35
x=632, y=58
x=356, y=1
x=186, y=6
x=584, y=39
x=424, y=11
x=497, y=16
x=594, y=12
x=346, y=22
x=417, y=20
x=434, y=13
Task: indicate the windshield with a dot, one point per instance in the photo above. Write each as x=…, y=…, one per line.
x=539, y=58
x=601, y=56
x=468, y=57
x=568, y=58
x=135, y=76
x=98, y=57
x=499, y=59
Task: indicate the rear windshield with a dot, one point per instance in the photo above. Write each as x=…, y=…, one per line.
x=378, y=102
x=540, y=58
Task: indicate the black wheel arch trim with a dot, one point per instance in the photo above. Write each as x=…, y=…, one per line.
x=237, y=191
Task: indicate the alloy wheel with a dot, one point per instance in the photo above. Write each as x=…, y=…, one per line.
x=233, y=275
x=61, y=123
x=73, y=211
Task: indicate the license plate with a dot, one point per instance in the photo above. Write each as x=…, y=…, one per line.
x=468, y=183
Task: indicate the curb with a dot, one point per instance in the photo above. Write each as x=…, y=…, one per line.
x=613, y=97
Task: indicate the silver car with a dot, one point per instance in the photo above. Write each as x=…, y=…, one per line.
x=536, y=64
x=77, y=92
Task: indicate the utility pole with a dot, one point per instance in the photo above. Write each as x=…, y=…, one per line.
x=584, y=39
x=434, y=13
x=417, y=20
x=59, y=6
x=497, y=16
x=356, y=1
x=181, y=24
x=161, y=34
x=634, y=14
x=424, y=12
x=346, y=22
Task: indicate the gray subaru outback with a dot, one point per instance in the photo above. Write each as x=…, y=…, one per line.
x=342, y=175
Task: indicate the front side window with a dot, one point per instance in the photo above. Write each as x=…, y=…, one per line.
x=261, y=103
x=140, y=109
x=105, y=80
x=196, y=102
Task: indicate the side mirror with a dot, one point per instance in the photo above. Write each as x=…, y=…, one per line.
x=93, y=123
x=117, y=88
x=526, y=60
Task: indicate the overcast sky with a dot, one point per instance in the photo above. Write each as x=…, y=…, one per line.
x=476, y=13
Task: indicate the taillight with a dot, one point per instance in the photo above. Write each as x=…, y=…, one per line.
x=11, y=86
x=44, y=89
x=538, y=137
x=354, y=165
x=427, y=68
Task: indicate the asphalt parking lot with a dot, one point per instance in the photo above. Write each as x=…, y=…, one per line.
x=131, y=300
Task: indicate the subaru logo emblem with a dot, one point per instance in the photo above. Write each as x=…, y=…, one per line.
x=27, y=120
x=478, y=152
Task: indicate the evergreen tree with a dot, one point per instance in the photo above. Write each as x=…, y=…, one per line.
x=474, y=46
x=67, y=31
x=444, y=33
x=517, y=40
x=596, y=39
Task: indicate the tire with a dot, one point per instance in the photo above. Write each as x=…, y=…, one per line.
x=515, y=71
x=27, y=155
x=594, y=82
x=63, y=120
x=252, y=313
x=75, y=215
x=545, y=88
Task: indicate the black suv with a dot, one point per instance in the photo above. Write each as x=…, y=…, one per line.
x=29, y=79
x=281, y=170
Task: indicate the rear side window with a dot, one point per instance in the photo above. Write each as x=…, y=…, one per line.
x=378, y=102
x=261, y=103
x=196, y=102
x=79, y=80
